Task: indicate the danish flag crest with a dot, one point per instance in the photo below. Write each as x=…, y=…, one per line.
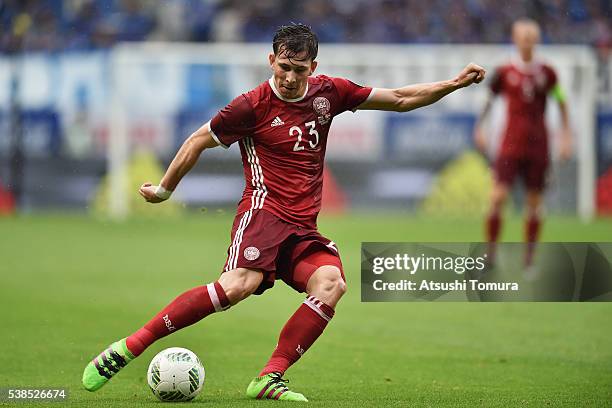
x=322, y=106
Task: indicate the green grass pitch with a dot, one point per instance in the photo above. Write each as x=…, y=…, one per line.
x=70, y=285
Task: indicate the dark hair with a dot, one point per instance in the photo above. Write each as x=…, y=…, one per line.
x=294, y=39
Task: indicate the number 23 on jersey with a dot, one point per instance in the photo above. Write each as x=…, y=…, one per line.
x=312, y=138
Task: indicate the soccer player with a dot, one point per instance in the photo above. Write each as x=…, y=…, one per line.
x=526, y=83
x=281, y=127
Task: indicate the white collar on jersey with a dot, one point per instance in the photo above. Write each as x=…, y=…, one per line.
x=282, y=98
x=523, y=66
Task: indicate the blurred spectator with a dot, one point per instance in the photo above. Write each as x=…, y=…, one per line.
x=170, y=16
x=227, y=24
x=132, y=21
x=80, y=27
x=324, y=19
x=199, y=18
x=260, y=17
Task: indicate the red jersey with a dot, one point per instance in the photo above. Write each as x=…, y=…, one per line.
x=526, y=87
x=282, y=142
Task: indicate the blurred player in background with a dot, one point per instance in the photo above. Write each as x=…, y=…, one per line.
x=282, y=126
x=526, y=84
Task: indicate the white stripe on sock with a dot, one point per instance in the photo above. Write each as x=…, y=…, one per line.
x=212, y=292
x=313, y=306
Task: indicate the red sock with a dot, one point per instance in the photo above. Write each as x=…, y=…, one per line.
x=532, y=231
x=493, y=228
x=299, y=333
x=187, y=309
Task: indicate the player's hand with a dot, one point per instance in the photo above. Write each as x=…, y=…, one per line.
x=565, y=146
x=147, y=191
x=480, y=140
x=471, y=74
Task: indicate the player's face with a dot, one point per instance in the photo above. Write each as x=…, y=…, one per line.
x=525, y=37
x=291, y=74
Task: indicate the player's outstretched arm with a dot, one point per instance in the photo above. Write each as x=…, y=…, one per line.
x=565, y=145
x=480, y=139
x=185, y=159
x=415, y=96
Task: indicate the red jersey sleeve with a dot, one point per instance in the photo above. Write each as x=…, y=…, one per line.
x=234, y=122
x=350, y=94
x=497, y=81
x=551, y=78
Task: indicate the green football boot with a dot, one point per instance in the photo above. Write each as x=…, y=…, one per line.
x=106, y=365
x=272, y=386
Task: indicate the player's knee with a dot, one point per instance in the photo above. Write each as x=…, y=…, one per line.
x=328, y=284
x=498, y=198
x=533, y=203
x=335, y=285
x=240, y=283
x=532, y=210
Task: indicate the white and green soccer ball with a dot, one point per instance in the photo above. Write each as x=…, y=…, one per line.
x=176, y=374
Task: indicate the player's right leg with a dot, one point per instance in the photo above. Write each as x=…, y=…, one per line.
x=499, y=195
x=187, y=309
x=535, y=182
x=320, y=275
x=505, y=171
x=532, y=231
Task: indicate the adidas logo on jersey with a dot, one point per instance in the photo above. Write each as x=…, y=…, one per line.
x=277, y=122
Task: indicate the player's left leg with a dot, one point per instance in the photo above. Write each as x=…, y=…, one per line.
x=493, y=222
x=325, y=288
x=534, y=174
x=505, y=170
x=533, y=224
x=320, y=275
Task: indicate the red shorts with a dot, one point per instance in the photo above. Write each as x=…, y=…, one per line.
x=281, y=250
x=532, y=171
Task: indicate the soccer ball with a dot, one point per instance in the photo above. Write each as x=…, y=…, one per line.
x=176, y=374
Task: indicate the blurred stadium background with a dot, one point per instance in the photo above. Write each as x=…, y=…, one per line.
x=89, y=89
x=95, y=98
